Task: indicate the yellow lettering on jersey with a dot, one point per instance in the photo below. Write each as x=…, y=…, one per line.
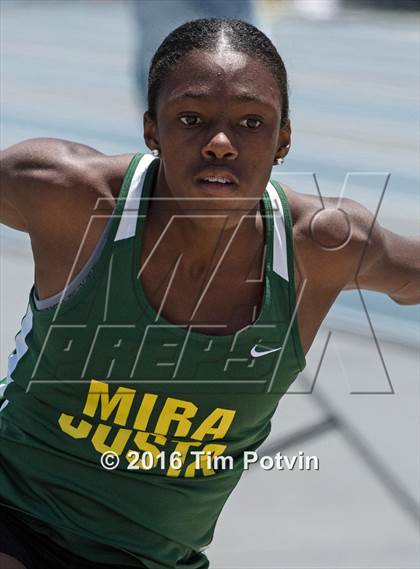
x=80, y=432
x=178, y=411
x=121, y=401
x=118, y=444
x=216, y=424
x=141, y=440
x=203, y=462
x=182, y=448
x=144, y=412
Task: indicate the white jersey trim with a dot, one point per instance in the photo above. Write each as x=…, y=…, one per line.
x=279, y=234
x=20, y=351
x=128, y=221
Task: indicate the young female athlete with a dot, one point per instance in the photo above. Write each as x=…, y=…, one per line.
x=163, y=326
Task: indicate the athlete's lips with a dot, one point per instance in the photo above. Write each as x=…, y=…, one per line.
x=219, y=174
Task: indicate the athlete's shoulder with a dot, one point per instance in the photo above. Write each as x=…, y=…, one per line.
x=325, y=222
x=302, y=207
x=57, y=173
x=57, y=162
x=330, y=235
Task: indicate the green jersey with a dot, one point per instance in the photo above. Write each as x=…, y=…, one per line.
x=102, y=378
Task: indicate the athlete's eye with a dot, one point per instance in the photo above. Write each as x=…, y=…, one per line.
x=251, y=123
x=190, y=120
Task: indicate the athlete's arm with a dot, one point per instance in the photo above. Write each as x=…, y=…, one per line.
x=389, y=262
x=50, y=188
x=40, y=176
x=341, y=247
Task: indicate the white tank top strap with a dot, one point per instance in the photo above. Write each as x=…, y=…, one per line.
x=279, y=234
x=128, y=221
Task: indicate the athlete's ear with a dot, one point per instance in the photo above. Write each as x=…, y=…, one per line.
x=151, y=132
x=284, y=141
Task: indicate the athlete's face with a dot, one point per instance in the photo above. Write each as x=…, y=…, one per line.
x=218, y=129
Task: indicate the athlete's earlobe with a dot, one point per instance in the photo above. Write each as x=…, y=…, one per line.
x=284, y=141
x=151, y=133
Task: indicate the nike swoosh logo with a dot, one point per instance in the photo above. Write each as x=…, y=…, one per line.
x=258, y=354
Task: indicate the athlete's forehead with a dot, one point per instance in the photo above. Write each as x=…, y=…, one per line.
x=205, y=75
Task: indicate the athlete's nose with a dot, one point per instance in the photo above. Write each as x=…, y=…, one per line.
x=220, y=147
